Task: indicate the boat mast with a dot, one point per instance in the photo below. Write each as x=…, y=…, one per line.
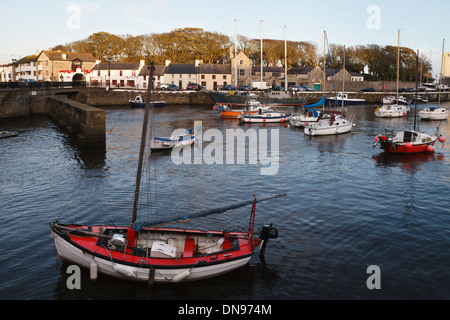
x=324, y=61
x=261, y=56
x=442, y=73
x=235, y=54
x=415, y=102
x=398, y=62
x=285, y=61
x=343, y=81
x=143, y=143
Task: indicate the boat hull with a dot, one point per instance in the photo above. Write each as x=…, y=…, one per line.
x=351, y=102
x=135, y=104
x=126, y=266
x=438, y=114
x=401, y=148
x=261, y=119
x=313, y=130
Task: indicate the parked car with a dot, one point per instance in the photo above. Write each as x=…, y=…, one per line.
x=245, y=88
x=193, y=86
x=164, y=86
x=277, y=88
x=296, y=88
x=368, y=90
x=308, y=88
x=172, y=87
x=228, y=87
x=406, y=90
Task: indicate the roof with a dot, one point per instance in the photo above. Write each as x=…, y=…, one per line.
x=267, y=69
x=214, y=68
x=116, y=66
x=30, y=58
x=58, y=55
x=300, y=70
x=158, y=71
x=333, y=71
x=356, y=74
x=181, y=68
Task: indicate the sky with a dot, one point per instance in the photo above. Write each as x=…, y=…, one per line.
x=30, y=26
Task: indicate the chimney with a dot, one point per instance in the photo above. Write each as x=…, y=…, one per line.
x=167, y=62
x=197, y=62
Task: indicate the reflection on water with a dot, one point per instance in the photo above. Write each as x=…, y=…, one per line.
x=348, y=206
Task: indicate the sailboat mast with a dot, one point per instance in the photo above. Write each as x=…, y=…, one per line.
x=143, y=143
x=343, y=81
x=285, y=61
x=417, y=88
x=324, y=61
x=398, y=62
x=261, y=55
x=442, y=73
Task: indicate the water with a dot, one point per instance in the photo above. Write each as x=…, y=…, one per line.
x=348, y=207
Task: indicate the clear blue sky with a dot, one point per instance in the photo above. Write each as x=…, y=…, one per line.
x=27, y=26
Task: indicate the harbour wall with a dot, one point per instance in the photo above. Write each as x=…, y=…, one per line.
x=85, y=122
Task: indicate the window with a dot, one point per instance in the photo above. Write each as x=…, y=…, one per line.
x=214, y=76
x=98, y=73
x=181, y=76
x=172, y=77
x=46, y=62
x=241, y=62
x=224, y=77
x=203, y=76
x=121, y=73
x=275, y=74
x=242, y=72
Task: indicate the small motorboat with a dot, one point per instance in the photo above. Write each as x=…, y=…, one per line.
x=233, y=111
x=139, y=102
x=264, y=117
x=347, y=101
x=392, y=111
x=434, y=113
x=166, y=143
x=408, y=142
x=393, y=99
x=8, y=134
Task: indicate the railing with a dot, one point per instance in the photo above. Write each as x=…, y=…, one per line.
x=45, y=84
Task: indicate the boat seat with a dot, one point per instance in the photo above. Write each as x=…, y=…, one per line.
x=189, y=246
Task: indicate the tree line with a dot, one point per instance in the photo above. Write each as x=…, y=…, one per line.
x=185, y=45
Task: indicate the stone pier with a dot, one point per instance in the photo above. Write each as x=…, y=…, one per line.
x=86, y=122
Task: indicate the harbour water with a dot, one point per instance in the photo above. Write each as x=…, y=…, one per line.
x=348, y=207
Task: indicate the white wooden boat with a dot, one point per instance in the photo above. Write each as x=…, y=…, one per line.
x=264, y=117
x=165, y=143
x=309, y=115
x=434, y=113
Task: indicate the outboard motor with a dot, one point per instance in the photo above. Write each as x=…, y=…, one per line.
x=267, y=232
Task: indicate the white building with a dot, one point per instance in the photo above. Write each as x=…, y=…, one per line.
x=115, y=75
x=144, y=77
x=180, y=74
x=27, y=67
x=8, y=72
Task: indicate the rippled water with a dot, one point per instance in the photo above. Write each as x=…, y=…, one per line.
x=348, y=207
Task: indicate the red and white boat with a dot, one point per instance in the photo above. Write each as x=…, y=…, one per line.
x=150, y=253
x=409, y=141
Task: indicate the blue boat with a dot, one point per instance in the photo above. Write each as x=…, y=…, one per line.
x=139, y=102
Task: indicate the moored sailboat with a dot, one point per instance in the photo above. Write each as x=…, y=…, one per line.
x=409, y=141
x=150, y=253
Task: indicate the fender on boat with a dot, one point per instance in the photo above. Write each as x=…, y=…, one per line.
x=181, y=276
x=124, y=272
x=93, y=270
